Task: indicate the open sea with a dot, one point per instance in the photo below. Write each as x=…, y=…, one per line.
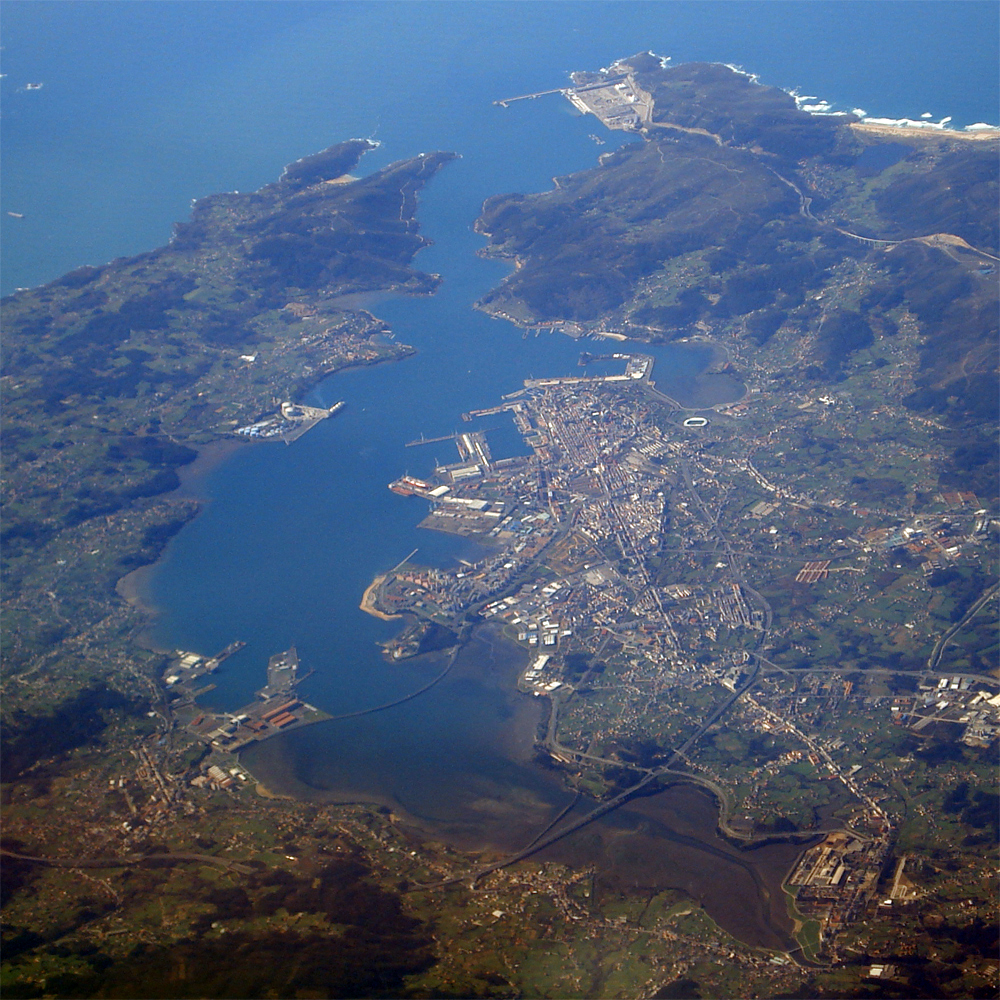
x=146, y=106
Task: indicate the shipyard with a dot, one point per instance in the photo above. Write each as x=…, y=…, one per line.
x=276, y=708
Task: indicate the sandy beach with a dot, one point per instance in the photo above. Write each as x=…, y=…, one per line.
x=368, y=600
x=132, y=588
x=897, y=131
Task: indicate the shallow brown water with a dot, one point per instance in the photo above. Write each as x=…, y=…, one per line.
x=455, y=764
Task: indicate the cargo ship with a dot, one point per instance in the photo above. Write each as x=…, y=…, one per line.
x=410, y=486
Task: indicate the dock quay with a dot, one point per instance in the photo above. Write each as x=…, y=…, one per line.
x=489, y=412
x=473, y=448
x=457, y=435
x=638, y=368
x=492, y=411
x=410, y=486
x=506, y=101
x=288, y=424
x=426, y=440
x=233, y=647
x=187, y=667
x=475, y=460
x=282, y=673
x=565, y=91
x=277, y=709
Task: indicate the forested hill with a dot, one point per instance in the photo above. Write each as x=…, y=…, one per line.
x=737, y=215
x=110, y=373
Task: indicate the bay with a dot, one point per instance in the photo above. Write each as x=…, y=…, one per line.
x=145, y=107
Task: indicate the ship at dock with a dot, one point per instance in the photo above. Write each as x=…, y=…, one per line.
x=410, y=486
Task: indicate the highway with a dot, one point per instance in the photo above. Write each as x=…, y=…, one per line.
x=885, y=672
x=452, y=656
x=938, y=652
x=610, y=805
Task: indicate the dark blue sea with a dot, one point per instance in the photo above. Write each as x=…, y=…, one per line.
x=145, y=107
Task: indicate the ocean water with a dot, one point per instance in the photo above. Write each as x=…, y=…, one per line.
x=146, y=106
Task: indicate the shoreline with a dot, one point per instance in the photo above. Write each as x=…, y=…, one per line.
x=459, y=835
x=213, y=453
x=274, y=765
x=913, y=131
x=720, y=355
x=265, y=793
x=369, y=597
x=132, y=587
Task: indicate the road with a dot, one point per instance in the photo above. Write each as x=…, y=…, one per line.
x=885, y=672
x=938, y=652
x=127, y=860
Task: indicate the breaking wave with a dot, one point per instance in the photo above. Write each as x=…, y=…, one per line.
x=817, y=106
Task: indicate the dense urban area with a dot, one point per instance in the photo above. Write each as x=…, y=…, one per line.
x=615, y=567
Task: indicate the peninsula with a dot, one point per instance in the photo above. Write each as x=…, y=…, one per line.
x=113, y=376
